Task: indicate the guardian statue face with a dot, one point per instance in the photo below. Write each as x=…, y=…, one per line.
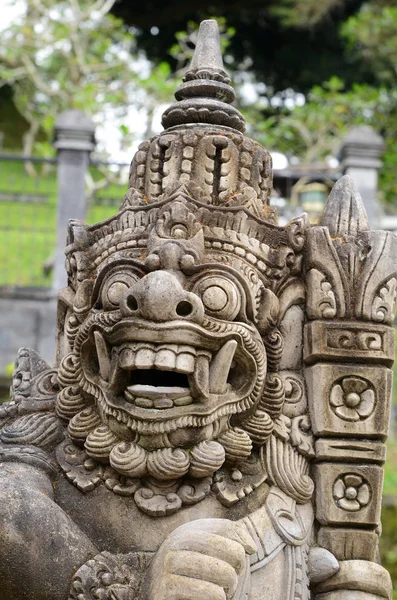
x=213, y=371
x=170, y=339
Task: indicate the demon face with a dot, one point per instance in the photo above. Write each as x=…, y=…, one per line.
x=167, y=362
x=182, y=356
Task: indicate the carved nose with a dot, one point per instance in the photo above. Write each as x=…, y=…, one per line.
x=160, y=297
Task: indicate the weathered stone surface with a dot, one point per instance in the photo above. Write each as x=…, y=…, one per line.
x=346, y=544
x=347, y=494
x=168, y=453
x=355, y=399
x=340, y=450
x=352, y=341
x=322, y=564
x=359, y=576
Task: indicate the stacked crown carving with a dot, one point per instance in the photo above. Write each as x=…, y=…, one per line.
x=203, y=146
x=223, y=167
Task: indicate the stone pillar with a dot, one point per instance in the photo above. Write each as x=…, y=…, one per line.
x=348, y=353
x=74, y=141
x=360, y=153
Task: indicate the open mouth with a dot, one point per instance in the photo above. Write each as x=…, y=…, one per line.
x=162, y=376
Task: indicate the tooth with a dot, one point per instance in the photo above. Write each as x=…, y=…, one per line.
x=183, y=401
x=185, y=363
x=163, y=403
x=128, y=396
x=200, y=378
x=144, y=358
x=188, y=349
x=119, y=376
x=165, y=359
x=127, y=358
x=144, y=402
x=220, y=367
x=103, y=355
x=172, y=347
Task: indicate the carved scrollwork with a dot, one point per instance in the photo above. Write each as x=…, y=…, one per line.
x=321, y=302
x=40, y=429
x=384, y=303
x=301, y=436
x=110, y=576
x=295, y=401
x=297, y=231
x=354, y=340
x=288, y=470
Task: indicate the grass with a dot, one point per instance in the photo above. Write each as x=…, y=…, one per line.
x=28, y=219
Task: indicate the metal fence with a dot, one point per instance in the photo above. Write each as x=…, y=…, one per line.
x=28, y=200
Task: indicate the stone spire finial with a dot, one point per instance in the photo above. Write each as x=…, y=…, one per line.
x=344, y=212
x=205, y=94
x=207, y=62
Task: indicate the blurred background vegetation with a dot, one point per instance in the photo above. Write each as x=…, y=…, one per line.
x=304, y=70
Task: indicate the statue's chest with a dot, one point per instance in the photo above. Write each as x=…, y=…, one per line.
x=116, y=524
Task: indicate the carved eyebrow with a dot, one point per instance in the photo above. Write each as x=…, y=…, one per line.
x=223, y=269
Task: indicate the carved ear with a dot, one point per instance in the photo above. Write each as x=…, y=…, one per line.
x=268, y=311
x=82, y=299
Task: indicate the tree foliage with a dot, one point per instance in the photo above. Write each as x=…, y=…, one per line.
x=371, y=34
x=71, y=54
x=81, y=56
x=314, y=131
x=287, y=43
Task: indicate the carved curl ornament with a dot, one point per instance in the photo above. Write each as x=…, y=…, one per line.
x=171, y=448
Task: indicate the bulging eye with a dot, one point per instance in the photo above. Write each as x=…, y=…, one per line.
x=114, y=288
x=221, y=296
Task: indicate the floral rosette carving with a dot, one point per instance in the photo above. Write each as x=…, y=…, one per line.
x=352, y=399
x=351, y=492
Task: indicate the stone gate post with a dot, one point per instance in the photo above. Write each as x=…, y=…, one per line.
x=74, y=141
x=361, y=153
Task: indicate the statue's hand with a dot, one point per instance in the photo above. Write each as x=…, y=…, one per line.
x=207, y=558
x=356, y=576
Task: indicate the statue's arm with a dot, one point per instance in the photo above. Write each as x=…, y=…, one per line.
x=40, y=546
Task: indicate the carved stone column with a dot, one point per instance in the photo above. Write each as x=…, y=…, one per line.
x=348, y=352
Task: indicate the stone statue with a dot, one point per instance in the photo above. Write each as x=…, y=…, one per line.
x=214, y=423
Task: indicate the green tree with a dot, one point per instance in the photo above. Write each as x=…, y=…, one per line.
x=313, y=130
x=371, y=34
x=68, y=54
